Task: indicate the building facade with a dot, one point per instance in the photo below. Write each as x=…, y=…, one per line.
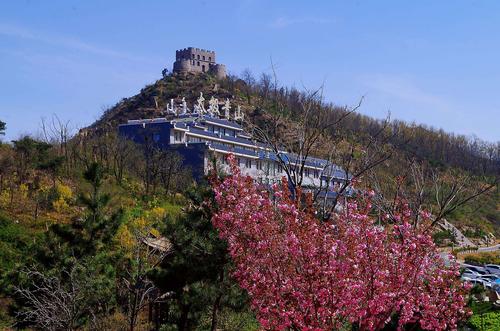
x=202, y=139
x=196, y=60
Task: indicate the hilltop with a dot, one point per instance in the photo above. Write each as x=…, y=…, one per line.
x=153, y=99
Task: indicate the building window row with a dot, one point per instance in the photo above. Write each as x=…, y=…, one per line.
x=198, y=57
x=269, y=169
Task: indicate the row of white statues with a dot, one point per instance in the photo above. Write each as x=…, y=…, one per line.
x=212, y=110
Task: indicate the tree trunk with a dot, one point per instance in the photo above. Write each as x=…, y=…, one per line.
x=133, y=312
x=183, y=321
x=215, y=312
x=217, y=303
x=36, y=209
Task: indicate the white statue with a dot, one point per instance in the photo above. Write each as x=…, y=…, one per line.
x=171, y=107
x=226, y=108
x=213, y=107
x=239, y=116
x=196, y=109
x=199, y=108
x=184, y=106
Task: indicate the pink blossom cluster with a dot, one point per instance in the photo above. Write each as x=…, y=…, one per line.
x=305, y=274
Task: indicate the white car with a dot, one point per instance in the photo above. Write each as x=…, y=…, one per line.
x=490, y=280
x=474, y=281
x=493, y=268
x=470, y=274
x=473, y=268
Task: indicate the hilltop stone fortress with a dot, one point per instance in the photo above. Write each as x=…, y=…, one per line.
x=196, y=60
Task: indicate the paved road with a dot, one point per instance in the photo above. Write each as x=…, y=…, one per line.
x=462, y=240
x=489, y=249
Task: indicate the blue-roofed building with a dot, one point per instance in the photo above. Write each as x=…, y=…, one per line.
x=200, y=139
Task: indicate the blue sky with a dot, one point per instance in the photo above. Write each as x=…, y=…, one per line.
x=432, y=62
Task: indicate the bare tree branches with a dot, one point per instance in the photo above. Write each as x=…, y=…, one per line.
x=452, y=193
x=425, y=188
x=296, y=128
x=51, y=304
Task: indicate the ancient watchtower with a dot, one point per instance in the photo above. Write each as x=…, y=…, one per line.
x=197, y=60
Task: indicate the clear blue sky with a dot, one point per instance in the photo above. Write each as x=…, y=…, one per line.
x=432, y=62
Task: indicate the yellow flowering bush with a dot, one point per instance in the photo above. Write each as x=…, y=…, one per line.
x=64, y=191
x=23, y=191
x=124, y=238
x=59, y=205
x=157, y=213
x=4, y=199
x=63, y=195
x=125, y=235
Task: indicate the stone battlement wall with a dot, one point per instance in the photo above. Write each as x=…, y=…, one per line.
x=197, y=54
x=197, y=60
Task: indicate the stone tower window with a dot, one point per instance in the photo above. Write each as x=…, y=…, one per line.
x=203, y=57
x=192, y=55
x=210, y=58
x=198, y=63
x=203, y=68
x=198, y=57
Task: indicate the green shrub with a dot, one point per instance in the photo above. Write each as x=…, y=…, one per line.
x=440, y=236
x=488, y=321
x=13, y=242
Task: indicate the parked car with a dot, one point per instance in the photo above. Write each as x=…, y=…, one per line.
x=490, y=280
x=466, y=278
x=474, y=281
x=493, y=268
x=479, y=270
x=471, y=274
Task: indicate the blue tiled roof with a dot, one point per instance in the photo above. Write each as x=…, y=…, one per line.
x=239, y=140
x=233, y=149
x=335, y=172
x=289, y=158
x=227, y=138
x=267, y=155
x=223, y=122
x=203, y=132
x=310, y=161
x=181, y=126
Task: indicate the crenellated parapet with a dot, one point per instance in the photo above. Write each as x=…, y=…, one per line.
x=197, y=60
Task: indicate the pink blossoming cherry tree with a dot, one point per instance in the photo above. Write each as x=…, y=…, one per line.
x=305, y=274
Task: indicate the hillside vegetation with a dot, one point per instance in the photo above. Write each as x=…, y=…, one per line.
x=442, y=152
x=75, y=211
